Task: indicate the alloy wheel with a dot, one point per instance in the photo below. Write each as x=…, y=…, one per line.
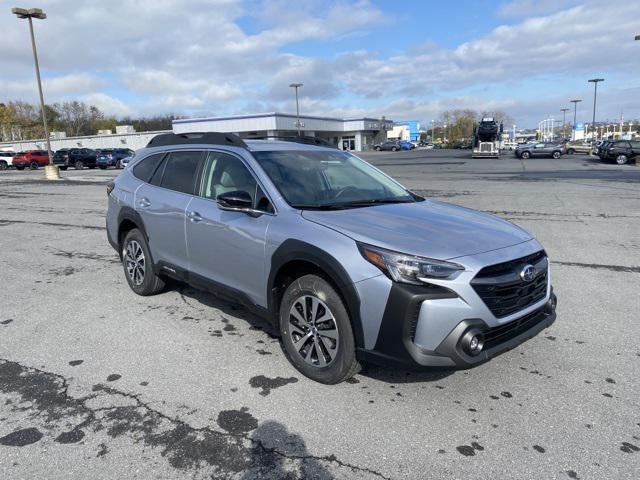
x=135, y=262
x=314, y=331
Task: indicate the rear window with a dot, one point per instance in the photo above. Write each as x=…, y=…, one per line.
x=180, y=171
x=147, y=166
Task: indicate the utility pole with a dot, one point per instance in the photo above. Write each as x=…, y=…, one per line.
x=296, y=86
x=51, y=171
x=595, y=95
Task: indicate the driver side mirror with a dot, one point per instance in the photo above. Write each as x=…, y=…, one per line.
x=237, y=201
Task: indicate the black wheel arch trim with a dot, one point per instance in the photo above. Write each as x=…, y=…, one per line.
x=129, y=214
x=297, y=250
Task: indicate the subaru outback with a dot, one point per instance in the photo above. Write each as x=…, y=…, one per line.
x=345, y=262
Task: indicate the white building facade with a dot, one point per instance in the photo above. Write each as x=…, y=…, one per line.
x=356, y=134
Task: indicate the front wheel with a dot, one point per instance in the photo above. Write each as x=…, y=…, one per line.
x=34, y=165
x=556, y=155
x=138, y=268
x=3, y=165
x=79, y=165
x=393, y=149
x=571, y=151
x=316, y=331
x=377, y=149
x=526, y=155
x=621, y=159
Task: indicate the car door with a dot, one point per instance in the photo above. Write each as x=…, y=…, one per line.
x=162, y=204
x=227, y=247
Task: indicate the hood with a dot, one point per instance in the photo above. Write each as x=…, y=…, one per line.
x=430, y=228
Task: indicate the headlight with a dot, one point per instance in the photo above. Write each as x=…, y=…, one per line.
x=409, y=268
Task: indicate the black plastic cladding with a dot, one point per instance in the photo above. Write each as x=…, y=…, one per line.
x=211, y=138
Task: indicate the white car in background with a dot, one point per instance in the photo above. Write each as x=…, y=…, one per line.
x=6, y=159
x=509, y=145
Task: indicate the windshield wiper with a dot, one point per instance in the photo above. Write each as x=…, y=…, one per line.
x=375, y=201
x=311, y=206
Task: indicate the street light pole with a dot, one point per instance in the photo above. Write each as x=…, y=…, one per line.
x=595, y=93
x=564, y=121
x=296, y=86
x=51, y=171
x=575, y=111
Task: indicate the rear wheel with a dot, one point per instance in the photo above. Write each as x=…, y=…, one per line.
x=316, y=331
x=3, y=165
x=137, y=265
x=79, y=165
x=525, y=155
x=571, y=151
x=34, y=165
x=393, y=149
x=621, y=159
x=556, y=155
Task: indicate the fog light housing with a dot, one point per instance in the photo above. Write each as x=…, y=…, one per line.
x=472, y=342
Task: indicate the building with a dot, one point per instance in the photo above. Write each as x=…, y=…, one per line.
x=133, y=141
x=347, y=134
x=406, y=130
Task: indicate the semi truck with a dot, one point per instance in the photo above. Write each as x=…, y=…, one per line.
x=486, y=138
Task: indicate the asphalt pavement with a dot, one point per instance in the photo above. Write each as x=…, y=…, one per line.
x=96, y=382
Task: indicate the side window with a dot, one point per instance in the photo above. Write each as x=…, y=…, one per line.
x=225, y=173
x=180, y=171
x=145, y=168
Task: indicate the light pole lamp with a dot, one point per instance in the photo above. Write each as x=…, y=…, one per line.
x=595, y=82
x=297, y=86
x=51, y=171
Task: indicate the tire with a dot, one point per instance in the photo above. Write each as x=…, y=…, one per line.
x=63, y=168
x=3, y=165
x=556, y=155
x=34, y=166
x=103, y=167
x=622, y=159
x=525, y=155
x=139, y=274
x=394, y=149
x=325, y=358
x=571, y=151
x=79, y=165
x=377, y=149
x=118, y=165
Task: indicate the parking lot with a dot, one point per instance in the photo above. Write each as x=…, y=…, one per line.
x=96, y=382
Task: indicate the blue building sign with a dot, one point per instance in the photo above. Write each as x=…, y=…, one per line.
x=414, y=129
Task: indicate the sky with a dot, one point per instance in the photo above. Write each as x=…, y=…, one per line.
x=404, y=60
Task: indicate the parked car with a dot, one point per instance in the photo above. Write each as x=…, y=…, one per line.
x=77, y=158
x=32, y=159
x=601, y=148
x=112, y=157
x=345, y=262
x=429, y=146
x=392, y=145
x=621, y=151
x=578, y=146
x=406, y=145
x=529, y=150
x=126, y=160
x=509, y=145
x=6, y=159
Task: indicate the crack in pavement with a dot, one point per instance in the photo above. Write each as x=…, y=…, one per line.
x=4, y=222
x=613, y=268
x=237, y=451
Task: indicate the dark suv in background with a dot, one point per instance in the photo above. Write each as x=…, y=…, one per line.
x=392, y=145
x=111, y=157
x=77, y=158
x=539, y=149
x=620, y=151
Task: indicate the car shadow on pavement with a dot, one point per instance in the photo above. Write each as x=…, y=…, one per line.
x=282, y=454
x=227, y=307
x=396, y=375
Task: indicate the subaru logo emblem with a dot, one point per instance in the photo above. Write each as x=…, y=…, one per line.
x=528, y=273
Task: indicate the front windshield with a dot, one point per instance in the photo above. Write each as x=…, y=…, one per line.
x=329, y=179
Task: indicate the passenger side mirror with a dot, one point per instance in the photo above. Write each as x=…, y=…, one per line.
x=237, y=201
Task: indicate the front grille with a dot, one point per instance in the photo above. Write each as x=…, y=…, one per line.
x=502, y=289
x=497, y=335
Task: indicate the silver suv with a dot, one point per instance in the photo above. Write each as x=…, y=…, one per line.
x=348, y=264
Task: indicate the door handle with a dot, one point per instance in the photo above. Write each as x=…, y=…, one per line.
x=194, y=217
x=144, y=202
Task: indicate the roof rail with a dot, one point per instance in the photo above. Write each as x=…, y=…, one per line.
x=212, y=138
x=305, y=139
